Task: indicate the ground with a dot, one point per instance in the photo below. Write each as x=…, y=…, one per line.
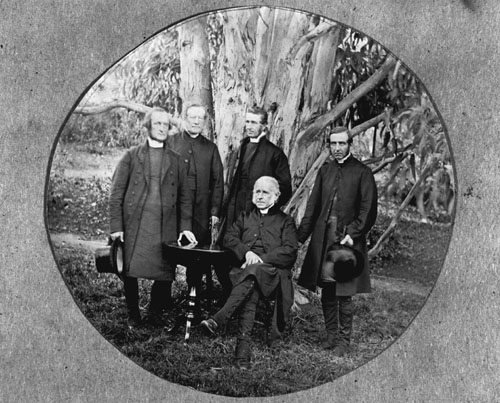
x=403, y=275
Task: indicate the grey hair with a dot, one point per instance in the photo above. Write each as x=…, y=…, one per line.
x=275, y=186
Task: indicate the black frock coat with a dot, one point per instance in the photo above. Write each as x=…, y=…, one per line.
x=129, y=188
x=205, y=178
x=357, y=212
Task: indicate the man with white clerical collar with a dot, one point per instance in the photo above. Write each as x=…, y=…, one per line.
x=206, y=183
x=264, y=242
x=341, y=209
x=149, y=205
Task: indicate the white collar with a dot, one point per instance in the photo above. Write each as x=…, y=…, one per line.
x=344, y=159
x=155, y=143
x=257, y=139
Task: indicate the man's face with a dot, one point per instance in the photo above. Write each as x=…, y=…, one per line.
x=263, y=195
x=339, y=146
x=253, y=127
x=159, y=126
x=195, y=120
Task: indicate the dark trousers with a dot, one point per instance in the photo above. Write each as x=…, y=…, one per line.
x=160, y=295
x=338, y=312
x=246, y=296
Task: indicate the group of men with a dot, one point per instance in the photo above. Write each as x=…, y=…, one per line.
x=172, y=187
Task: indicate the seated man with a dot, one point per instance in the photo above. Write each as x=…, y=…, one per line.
x=264, y=241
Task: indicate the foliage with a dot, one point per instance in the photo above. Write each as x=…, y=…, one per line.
x=116, y=128
x=78, y=205
x=151, y=74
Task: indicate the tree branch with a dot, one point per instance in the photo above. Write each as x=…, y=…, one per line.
x=315, y=33
x=380, y=242
x=324, y=120
x=120, y=103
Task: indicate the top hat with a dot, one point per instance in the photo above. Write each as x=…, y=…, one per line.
x=342, y=264
x=110, y=258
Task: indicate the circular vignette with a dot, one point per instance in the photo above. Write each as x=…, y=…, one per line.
x=310, y=74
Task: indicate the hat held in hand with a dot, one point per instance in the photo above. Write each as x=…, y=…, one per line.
x=342, y=264
x=110, y=258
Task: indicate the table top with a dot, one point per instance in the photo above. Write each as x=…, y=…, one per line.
x=208, y=249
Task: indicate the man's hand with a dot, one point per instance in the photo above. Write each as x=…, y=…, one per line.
x=118, y=234
x=189, y=236
x=251, y=258
x=347, y=241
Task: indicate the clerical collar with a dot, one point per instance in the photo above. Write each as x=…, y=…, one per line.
x=257, y=139
x=264, y=211
x=155, y=143
x=193, y=136
x=344, y=159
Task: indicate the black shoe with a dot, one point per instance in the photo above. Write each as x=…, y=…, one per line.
x=340, y=350
x=210, y=326
x=330, y=342
x=134, y=320
x=154, y=319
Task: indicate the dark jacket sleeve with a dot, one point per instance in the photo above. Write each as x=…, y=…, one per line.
x=217, y=184
x=285, y=255
x=119, y=186
x=284, y=178
x=367, y=208
x=313, y=209
x=184, y=199
x=232, y=238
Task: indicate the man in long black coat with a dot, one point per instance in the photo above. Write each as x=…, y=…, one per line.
x=257, y=157
x=344, y=189
x=264, y=242
x=205, y=179
x=149, y=204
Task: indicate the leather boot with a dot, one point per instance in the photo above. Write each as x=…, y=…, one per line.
x=330, y=305
x=161, y=299
x=346, y=314
x=131, y=289
x=242, y=354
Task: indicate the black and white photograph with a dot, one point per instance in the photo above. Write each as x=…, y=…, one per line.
x=232, y=201
x=252, y=202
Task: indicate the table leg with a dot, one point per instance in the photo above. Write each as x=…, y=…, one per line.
x=190, y=312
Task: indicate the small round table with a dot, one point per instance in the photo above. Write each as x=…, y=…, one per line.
x=189, y=256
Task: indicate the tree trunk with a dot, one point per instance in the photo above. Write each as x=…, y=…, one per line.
x=195, y=86
x=232, y=86
x=277, y=80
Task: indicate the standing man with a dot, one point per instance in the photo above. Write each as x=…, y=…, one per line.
x=344, y=194
x=264, y=242
x=206, y=181
x=148, y=191
x=257, y=157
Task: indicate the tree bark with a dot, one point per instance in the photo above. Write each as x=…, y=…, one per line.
x=232, y=86
x=194, y=57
